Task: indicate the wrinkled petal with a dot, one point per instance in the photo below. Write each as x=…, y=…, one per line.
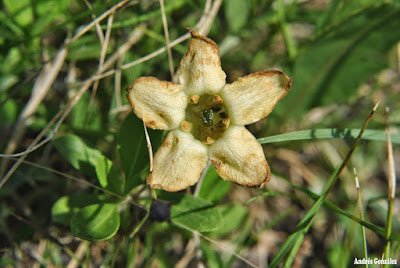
x=160, y=104
x=200, y=69
x=239, y=158
x=178, y=163
x=253, y=97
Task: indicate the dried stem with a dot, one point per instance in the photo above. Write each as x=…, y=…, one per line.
x=166, y=34
x=360, y=207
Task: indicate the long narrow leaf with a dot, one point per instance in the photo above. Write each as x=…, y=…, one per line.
x=375, y=228
x=330, y=133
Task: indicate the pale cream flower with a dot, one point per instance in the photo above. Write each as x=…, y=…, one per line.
x=206, y=118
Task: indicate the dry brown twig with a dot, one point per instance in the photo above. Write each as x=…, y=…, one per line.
x=166, y=35
x=104, y=45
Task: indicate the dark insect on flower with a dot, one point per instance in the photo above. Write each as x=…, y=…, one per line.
x=207, y=117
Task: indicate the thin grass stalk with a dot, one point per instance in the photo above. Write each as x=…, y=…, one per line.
x=359, y=204
x=289, y=40
x=391, y=188
x=166, y=34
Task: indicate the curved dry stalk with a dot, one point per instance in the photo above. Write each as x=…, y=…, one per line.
x=104, y=41
x=166, y=34
x=98, y=27
x=207, y=19
x=93, y=23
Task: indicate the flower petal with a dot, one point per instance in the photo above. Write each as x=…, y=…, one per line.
x=239, y=158
x=178, y=163
x=253, y=97
x=160, y=104
x=200, y=69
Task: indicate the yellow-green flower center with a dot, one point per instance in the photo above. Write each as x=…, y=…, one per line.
x=206, y=118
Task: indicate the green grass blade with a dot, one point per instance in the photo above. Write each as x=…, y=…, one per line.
x=375, y=228
x=330, y=133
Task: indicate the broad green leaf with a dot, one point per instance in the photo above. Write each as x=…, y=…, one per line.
x=331, y=133
x=237, y=13
x=197, y=214
x=233, y=216
x=90, y=161
x=133, y=151
x=96, y=222
x=66, y=206
x=214, y=188
x=332, y=67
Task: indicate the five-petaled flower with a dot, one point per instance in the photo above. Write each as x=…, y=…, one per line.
x=206, y=118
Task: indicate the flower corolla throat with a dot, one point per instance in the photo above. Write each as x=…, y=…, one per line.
x=206, y=119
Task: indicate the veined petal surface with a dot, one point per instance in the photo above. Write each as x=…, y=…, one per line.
x=239, y=158
x=252, y=97
x=178, y=163
x=200, y=69
x=160, y=104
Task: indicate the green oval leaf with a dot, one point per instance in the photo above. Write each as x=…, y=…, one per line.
x=197, y=214
x=96, y=222
x=66, y=206
x=90, y=161
x=233, y=216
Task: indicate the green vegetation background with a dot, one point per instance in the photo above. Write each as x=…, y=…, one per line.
x=79, y=198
